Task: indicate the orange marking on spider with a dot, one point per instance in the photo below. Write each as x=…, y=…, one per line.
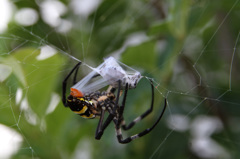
x=76, y=93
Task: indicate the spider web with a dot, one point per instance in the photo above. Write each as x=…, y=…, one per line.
x=198, y=76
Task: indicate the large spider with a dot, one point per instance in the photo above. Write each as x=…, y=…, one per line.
x=95, y=104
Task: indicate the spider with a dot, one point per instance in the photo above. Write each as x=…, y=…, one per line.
x=95, y=104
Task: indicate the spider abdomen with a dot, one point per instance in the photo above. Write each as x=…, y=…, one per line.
x=81, y=106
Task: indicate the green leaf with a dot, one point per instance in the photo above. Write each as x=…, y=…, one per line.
x=14, y=64
x=178, y=17
x=141, y=56
x=41, y=77
x=159, y=28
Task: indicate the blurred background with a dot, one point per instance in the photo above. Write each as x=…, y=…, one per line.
x=189, y=47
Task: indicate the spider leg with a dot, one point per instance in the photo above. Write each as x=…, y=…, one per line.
x=64, y=84
x=102, y=126
x=121, y=108
x=144, y=132
x=99, y=131
x=112, y=114
x=139, y=118
x=75, y=76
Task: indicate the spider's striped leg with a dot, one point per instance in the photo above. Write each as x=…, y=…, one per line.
x=139, y=118
x=144, y=132
x=112, y=114
x=121, y=108
x=64, y=84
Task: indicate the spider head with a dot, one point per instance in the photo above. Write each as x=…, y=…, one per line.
x=79, y=105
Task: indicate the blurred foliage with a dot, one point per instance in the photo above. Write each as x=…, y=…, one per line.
x=188, y=52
